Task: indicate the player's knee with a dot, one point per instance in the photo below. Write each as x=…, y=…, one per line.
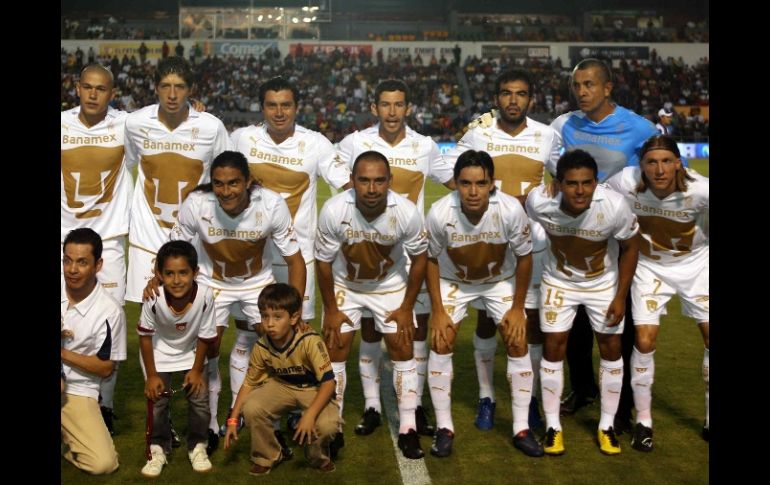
x=518, y=348
x=100, y=464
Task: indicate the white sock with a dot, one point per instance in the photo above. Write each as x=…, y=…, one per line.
x=405, y=384
x=440, y=375
x=610, y=382
x=215, y=386
x=369, y=359
x=706, y=380
x=519, y=373
x=420, y=350
x=239, y=360
x=642, y=377
x=341, y=379
x=484, y=356
x=535, y=356
x=551, y=385
x=107, y=388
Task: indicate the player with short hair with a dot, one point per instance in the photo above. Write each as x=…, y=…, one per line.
x=363, y=239
x=672, y=205
x=585, y=223
x=93, y=340
x=413, y=158
x=175, y=331
x=479, y=250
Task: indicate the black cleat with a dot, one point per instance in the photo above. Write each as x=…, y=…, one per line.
x=642, y=438
x=370, y=420
x=575, y=401
x=336, y=444
x=108, y=416
x=526, y=442
x=286, y=451
x=213, y=442
x=442, y=443
x=409, y=444
x=423, y=426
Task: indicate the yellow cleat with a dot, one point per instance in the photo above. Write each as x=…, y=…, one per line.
x=554, y=442
x=608, y=442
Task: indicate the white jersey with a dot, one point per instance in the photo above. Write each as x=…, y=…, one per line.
x=520, y=160
x=171, y=165
x=175, y=334
x=583, y=250
x=95, y=184
x=291, y=169
x=481, y=253
x=94, y=326
x=233, y=253
x=369, y=256
x=674, y=229
x=412, y=160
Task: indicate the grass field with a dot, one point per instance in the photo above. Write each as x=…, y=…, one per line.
x=680, y=455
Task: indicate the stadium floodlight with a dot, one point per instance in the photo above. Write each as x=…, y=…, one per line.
x=294, y=20
x=260, y=17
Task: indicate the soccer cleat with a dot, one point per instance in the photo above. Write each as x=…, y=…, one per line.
x=286, y=450
x=575, y=401
x=554, y=442
x=370, y=420
x=409, y=444
x=526, y=442
x=485, y=414
x=154, y=465
x=175, y=441
x=442, y=443
x=108, y=416
x=259, y=470
x=423, y=426
x=705, y=432
x=622, y=424
x=199, y=458
x=337, y=443
x=642, y=438
x=534, y=420
x=213, y=442
x=608, y=442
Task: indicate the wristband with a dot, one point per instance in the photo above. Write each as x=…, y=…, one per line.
x=232, y=421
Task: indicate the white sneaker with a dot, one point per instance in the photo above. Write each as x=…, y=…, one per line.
x=155, y=465
x=199, y=458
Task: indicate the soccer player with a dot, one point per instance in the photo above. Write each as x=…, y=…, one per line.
x=413, y=158
x=96, y=187
x=364, y=236
x=520, y=148
x=479, y=250
x=585, y=222
x=288, y=365
x=672, y=205
x=173, y=145
x=93, y=340
x=175, y=331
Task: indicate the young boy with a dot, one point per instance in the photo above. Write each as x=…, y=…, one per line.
x=175, y=331
x=289, y=367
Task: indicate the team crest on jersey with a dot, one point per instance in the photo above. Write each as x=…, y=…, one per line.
x=621, y=128
x=259, y=218
x=496, y=220
x=195, y=132
x=322, y=349
x=415, y=147
x=538, y=136
x=599, y=218
x=181, y=326
x=652, y=305
x=65, y=127
x=301, y=147
x=392, y=222
x=449, y=309
x=687, y=202
x=367, y=145
x=550, y=317
x=110, y=127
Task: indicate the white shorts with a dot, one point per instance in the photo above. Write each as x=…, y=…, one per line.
x=112, y=276
x=380, y=305
x=421, y=303
x=495, y=298
x=241, y=304
x=141, y=269
x=281, y=274
x=558, y=307
x=532, y=300
x=653, y=287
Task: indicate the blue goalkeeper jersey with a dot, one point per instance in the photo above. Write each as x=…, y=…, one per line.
x=614, y=141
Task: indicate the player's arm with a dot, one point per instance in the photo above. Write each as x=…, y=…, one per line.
x=626, y=268
x=193, y=380
x=515, y=320
x=285, y=239
x=153, y=384
x=403, y=315
x=93, y=364
x=441, y=324
x=297, y=272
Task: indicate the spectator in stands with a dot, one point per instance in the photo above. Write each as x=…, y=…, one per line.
x=665, y=116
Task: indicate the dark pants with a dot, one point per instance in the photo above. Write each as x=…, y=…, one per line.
x=198, y=416
x=579, y=358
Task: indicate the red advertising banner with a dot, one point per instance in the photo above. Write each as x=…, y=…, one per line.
x=306, y=49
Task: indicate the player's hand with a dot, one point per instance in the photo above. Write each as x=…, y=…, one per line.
x=305, y=433
x=197, y=104
x=514, y=326
x=332, y=323
x=484, y=121
x=444, y=330
x=193, y=382
x=404, y=318
x=303, y=326
x=616, y=311
x=152, y=290
x=231, y=434
x=153, y=386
